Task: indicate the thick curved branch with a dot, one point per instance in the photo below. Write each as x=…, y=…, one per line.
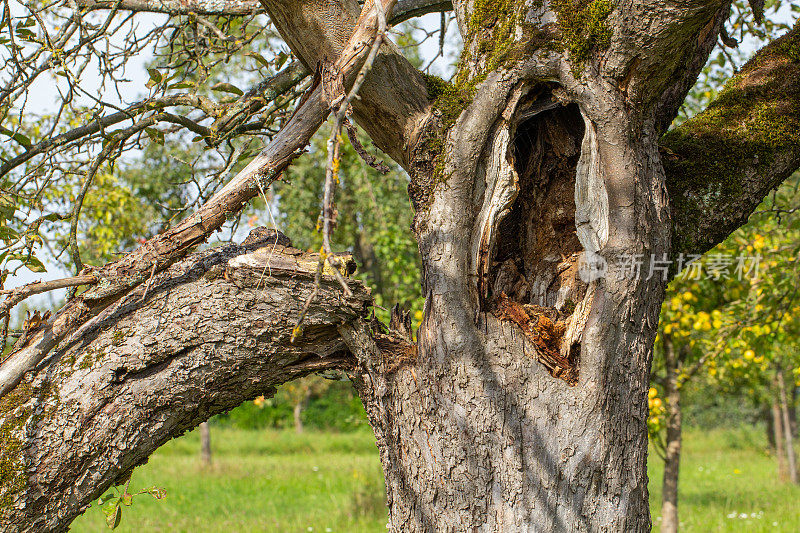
x=210, y=333
x=405, y=9
x=393, y=103
x=722, y=163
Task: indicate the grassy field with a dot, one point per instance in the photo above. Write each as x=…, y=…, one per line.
x=325, y=482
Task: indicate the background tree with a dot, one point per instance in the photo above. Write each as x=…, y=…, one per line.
x=718, y=325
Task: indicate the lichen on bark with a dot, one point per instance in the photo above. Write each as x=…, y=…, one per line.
x=15, y=415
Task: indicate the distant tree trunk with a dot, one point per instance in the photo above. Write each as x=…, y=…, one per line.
x=299, y=407
x=787, y=428
x=205, y=443
x=777, y=437
x=769, y=424
x=793, y=411
x=672, y=458
x=364, y=254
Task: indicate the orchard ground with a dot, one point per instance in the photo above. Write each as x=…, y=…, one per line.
x=276, y=480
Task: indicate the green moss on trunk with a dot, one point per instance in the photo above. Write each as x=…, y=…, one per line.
x=754, y=118
x=583, y=28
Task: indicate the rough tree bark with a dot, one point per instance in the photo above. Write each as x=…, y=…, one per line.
x=522, y=407
x=213, y=329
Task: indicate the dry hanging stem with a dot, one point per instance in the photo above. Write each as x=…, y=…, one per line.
x=332, y=169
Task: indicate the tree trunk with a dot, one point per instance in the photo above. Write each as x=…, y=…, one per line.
x=787, y=429
x=778, y=436
x=672, y=459
x=769, y=425
x=528, y=412
x=793, y=410
x=535, y=179
x=205, y=443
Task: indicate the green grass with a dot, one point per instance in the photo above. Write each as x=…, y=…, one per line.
x=279, y=481
x=258, y=481
x=724, y=475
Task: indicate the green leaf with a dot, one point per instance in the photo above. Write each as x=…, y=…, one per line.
x=156, y=492
x=7, y=209
x=258, y=57
x=227, y=88
x=34, y=265
x=113, y=519
x=25, y=33
x=157, y=136
x=281, y=59
x=19, y=137
x=8, y=234
x=182, y=85
x=155, y=77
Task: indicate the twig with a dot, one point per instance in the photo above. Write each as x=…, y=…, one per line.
x=332, y=171
x=368, y=158
x=15, y=296
x=149, y=282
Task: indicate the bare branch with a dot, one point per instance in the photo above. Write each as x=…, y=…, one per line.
x=19, y=294
x=177, y=7
x=404, y=10
x=116, y=279
x=368, y=158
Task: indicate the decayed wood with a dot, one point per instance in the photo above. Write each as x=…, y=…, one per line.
x=212, y=332
x=545, y=332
